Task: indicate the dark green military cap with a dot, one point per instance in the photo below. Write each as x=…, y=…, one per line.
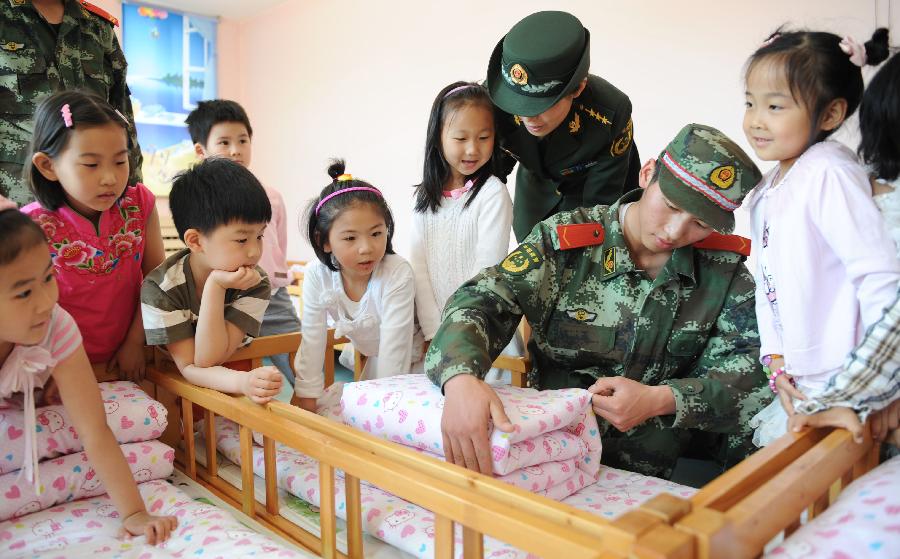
x=542, y=58
x=703, y=172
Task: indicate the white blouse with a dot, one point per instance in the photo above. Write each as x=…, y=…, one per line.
x=381, y=325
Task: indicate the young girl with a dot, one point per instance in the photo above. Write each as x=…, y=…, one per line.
x=826, y=268
x=358, y=283
x=463, y=213
x=39, y=339
x=103, y=236
x=868, y=385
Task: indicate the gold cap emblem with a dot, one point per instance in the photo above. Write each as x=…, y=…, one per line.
x=518, y=74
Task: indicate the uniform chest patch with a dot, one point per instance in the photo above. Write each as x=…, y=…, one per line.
x=12, y=46
x=609, y=260
x=581, y=315
x=524, y=258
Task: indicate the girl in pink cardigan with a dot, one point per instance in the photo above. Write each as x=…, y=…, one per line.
x=826, y=267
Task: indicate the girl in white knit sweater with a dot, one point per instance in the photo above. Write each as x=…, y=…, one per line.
x=463, y=213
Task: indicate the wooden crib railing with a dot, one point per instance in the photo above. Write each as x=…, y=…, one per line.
x=481, y=505
x=742, y=510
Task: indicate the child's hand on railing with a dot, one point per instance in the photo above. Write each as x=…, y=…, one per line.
x=844, y=418
x=262, y=384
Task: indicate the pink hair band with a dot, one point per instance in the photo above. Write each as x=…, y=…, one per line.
x=344, y=191
x=66, y=113
x=460, y=88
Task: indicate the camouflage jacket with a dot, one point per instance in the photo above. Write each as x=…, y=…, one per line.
x=587, y=160
x=35, y=61
x=593, y=314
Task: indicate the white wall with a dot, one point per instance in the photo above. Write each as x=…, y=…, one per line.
x=356, y=79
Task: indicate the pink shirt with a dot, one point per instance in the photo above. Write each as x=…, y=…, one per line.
x=274, y=257
x=99, y=276
x=829, y=256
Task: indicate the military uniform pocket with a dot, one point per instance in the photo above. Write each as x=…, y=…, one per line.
x=579, y=344
x=685, y=346
x=23, y=72
x=96, y=78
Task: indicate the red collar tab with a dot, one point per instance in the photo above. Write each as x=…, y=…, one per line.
x=730, y=243
x=579, y=235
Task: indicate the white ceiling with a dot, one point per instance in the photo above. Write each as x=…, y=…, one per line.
x=233, y=9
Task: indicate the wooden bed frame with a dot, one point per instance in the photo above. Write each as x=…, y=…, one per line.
x=733, y=516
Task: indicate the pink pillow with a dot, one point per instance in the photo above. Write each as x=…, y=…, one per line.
x=131, y=414
x=72, y=477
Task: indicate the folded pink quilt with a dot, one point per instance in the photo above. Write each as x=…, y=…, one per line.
x=131, y=414
x=554, y=449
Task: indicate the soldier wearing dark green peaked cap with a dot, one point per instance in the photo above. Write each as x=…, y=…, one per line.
x=641, y=302
x=39, y=56
x=571, y=132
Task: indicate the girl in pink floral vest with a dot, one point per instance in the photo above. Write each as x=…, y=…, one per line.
x=103, y=234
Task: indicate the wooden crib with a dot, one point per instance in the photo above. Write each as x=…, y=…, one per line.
x=733, y=516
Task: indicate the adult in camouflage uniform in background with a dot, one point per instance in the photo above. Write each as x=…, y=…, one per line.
x=653, y=312
x=50, y=46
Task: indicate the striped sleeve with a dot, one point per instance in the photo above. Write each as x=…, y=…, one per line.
x=245, y=309
x=165, y=304
x=63, y=337
x=869, y=381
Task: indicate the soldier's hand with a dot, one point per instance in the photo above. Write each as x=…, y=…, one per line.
x=626, y=403
x=469, y=407
x=844, y=418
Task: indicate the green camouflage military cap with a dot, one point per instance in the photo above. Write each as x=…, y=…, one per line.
x=703, y=172
x=541, y=59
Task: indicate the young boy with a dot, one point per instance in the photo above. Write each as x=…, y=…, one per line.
x=208, y=299
x=221, y=128
x=642, y=303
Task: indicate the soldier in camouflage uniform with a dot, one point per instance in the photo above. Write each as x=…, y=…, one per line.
x=570, y=131
x=70, y=44
x=653, y=312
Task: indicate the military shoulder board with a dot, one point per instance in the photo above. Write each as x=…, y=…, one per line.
x=730, y=243
x=100, y=12
x=579, y=235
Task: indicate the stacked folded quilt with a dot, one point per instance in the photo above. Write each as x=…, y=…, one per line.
x=554, y=449
x=65, y=472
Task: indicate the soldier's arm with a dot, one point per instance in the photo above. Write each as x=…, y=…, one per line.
x=120, y=99
x=726, y=385
x=605, y=180
x=482, y=316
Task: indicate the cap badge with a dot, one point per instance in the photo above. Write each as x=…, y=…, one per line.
x=518, y=74
x=722, y=177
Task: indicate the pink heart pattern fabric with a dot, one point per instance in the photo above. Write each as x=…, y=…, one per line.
x=554, y=450
x=72, y=477
x=863, y=522
x=410, y=527
x=88, y=528
x=132, y=415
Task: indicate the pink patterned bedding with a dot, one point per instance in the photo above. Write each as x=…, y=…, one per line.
x=88, y=528
x=554, y=450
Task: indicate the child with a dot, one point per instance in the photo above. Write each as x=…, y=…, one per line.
x=463, y=213
x=358, y=282
x=208, y=299
x=869, y=380
x=39, y=339
x=104, y=236
x=221, y=128
x=826, y=268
